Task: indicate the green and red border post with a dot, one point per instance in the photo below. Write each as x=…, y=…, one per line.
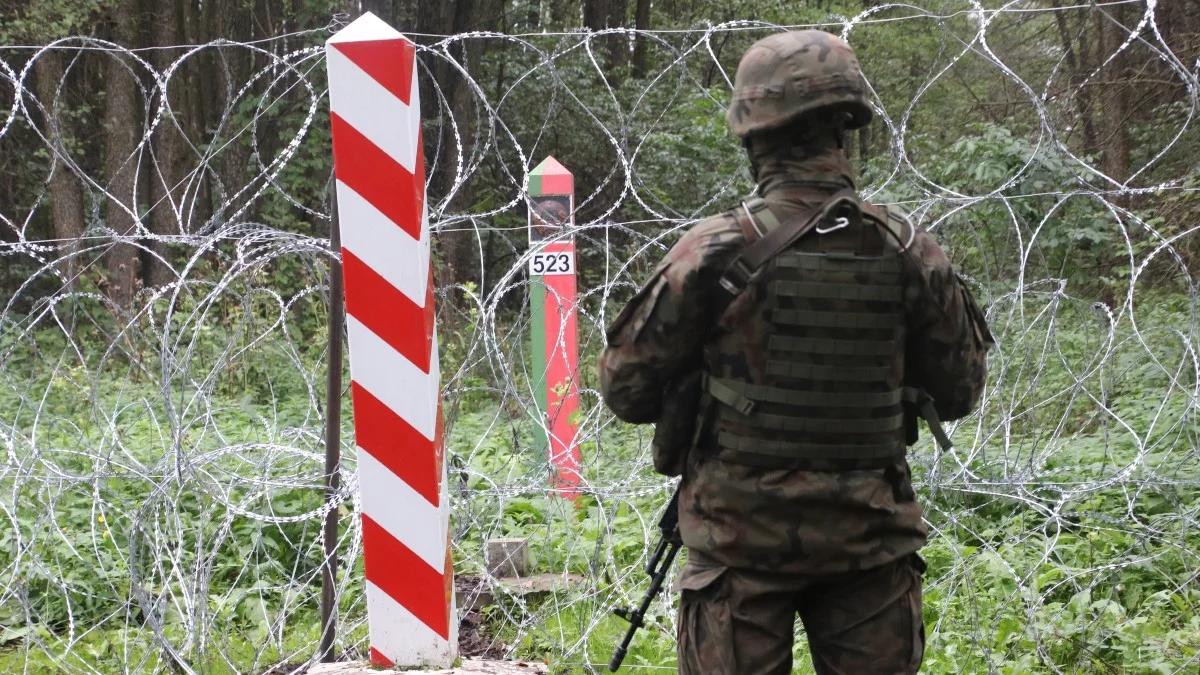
x=552, y=305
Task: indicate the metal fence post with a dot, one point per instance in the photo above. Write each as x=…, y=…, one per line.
x=333, y=438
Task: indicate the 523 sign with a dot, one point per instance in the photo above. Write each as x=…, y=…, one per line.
x=547, y=263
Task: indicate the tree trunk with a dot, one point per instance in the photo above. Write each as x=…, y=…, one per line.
x=1080, y=94
x=641, y=21
x=165, y=188
x=234, y=22
x=459, y=251
x=534, y=15
x=618, y=45
x=121, y=121
x=595, y=14
x=1115, y=159
x=198, y=87
x=601, y=14
x=66, y=197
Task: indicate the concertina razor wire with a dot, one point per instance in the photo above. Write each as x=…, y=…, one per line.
x=161, y=485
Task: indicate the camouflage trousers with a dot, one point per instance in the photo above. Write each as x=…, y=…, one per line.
x=735, y=621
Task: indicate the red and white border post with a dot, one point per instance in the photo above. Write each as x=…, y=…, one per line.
x=384, y=225
x=552, y=307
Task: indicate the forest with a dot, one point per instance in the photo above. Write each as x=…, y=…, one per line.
x=180, y=111
x=165, y=201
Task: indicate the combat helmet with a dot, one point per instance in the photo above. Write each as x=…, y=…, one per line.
x=787, y=75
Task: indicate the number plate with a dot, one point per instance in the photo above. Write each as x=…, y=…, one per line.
x=546, y=263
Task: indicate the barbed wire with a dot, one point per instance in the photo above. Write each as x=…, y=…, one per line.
x=161, y=475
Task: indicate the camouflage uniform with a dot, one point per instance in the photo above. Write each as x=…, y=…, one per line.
x=835, y=544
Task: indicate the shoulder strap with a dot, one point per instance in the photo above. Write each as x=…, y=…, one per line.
x=900, y=227
x=762, y=250
x=755, y=219
x=893, y=223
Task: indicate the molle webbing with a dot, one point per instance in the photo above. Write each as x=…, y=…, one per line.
x=785, y=343
x=752, y=445
x=809, y=289
x=824, y=425
x=814, y=319
x=833, y=364
x=882, y=269
x=835, y=374
x=744, y=397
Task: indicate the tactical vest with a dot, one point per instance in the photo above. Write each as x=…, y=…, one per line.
x=829, y=354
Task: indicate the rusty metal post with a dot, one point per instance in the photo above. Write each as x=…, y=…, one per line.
x=333, y=436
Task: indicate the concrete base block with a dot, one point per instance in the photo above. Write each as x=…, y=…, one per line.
x=473, y=595
x=507, y=557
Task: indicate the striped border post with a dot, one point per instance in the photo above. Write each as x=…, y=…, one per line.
x=553, y=343
x=384, y=224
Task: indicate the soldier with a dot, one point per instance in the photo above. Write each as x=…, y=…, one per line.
x=796, y=497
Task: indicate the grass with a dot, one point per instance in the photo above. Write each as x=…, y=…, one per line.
x=1073, y=548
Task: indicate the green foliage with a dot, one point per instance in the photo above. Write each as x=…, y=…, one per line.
x=47, y=20
x=696, y=159
x=1083, y=592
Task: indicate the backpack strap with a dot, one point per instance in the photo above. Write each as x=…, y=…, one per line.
x=760, y=251
x=755, y=219
x=892, y=221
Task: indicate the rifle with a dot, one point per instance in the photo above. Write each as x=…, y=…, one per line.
x=657, y=567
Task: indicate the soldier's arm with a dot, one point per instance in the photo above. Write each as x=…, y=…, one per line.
x=661, y=332
x=948, y=337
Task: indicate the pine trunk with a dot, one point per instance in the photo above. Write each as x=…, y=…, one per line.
x=1082, y=96
x=165, y=188
x=66, y=197
x=121, y=122
x=1115, y=160
x=641, y=21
